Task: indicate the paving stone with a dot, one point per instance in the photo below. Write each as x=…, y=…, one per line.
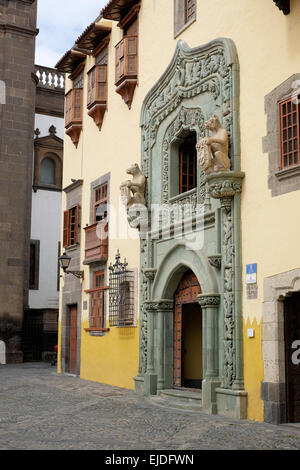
x=41, y=410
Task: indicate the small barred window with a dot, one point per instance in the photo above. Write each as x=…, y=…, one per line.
x=121, y=294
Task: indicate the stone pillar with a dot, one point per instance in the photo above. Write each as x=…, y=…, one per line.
x=225, y=186
x=163, y=308
x=230, y=397
x=150, y=377
x=210, y=310
x=147, y=278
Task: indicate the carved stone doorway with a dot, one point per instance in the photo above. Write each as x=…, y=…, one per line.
x=188, y=334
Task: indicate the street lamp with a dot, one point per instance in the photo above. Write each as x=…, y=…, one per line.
x=64, y=262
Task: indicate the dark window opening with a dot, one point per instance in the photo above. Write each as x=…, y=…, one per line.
x=188, y=164
x=34, y=265
x=47, y=171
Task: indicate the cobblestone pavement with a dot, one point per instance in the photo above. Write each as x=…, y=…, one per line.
x=42, y=410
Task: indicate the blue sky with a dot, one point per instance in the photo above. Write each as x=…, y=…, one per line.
x=60, y=22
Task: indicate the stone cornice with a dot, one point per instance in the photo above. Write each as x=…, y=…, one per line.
x=19, y=30
x=73, y=186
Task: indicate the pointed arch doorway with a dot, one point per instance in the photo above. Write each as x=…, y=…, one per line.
x=187, y=349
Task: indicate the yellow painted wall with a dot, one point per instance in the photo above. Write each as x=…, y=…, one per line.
x=113, y=361
x=254, y=372
x=268, y=48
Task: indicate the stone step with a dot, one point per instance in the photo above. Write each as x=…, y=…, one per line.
x=179, y=399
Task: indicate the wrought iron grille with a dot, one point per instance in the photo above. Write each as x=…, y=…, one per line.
x=121, y=305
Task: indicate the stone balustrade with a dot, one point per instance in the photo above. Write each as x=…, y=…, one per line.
x=50, y=78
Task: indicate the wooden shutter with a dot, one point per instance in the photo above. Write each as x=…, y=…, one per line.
x=68, y=108
x=119, y=60
x=77, y=104
x=76, y=238
x=101, y=74
x=66, y=232
x=131, y=55
x=91, y=86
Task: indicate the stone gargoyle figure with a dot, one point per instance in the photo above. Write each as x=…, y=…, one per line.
x=133, y=192
x=213, y=150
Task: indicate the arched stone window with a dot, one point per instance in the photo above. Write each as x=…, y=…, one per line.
x=47, y=171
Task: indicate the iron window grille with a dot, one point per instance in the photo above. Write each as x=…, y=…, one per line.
x=121, y=289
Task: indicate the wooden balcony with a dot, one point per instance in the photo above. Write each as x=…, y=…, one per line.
x=73, y=114
x=127, y=67
x=96, y=249
x=97, y=93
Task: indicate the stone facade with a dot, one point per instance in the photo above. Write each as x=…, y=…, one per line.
x=273, y=390
x=28, y=90
x=17, y=37
x=71, y=289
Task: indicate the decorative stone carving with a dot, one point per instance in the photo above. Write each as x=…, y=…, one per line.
x=133, y=192
x=144, y=333
x=215, y=261
x=150, y=274
x=133, y=197
x=186, y=120
x=198, y=83
x=159, y=305
x=213, y=151
x=208, y=300
x=224, y=185
x=203, y=70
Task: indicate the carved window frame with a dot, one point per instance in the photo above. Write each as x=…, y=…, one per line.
x=280, y=180
x=187, y=120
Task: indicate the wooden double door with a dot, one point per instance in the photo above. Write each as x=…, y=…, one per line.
x=187, y=356
x=292, y=357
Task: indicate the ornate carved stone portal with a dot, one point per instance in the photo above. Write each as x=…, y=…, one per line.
x=199, y=83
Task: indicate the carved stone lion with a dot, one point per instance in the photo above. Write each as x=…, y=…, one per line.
x=213, y=150
x=133, y=192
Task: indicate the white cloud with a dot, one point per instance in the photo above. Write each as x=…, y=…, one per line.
x=60, y=23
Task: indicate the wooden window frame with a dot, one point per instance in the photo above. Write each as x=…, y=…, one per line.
x=97, y=302
x=74, y=106
x=99, y=201
x=127, y=56
x=68, y=238
x=289, y=132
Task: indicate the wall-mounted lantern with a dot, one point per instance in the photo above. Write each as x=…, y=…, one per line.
x=64, y=262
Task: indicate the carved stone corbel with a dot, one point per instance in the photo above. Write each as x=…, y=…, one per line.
x=224, y=185
x=215, y=261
